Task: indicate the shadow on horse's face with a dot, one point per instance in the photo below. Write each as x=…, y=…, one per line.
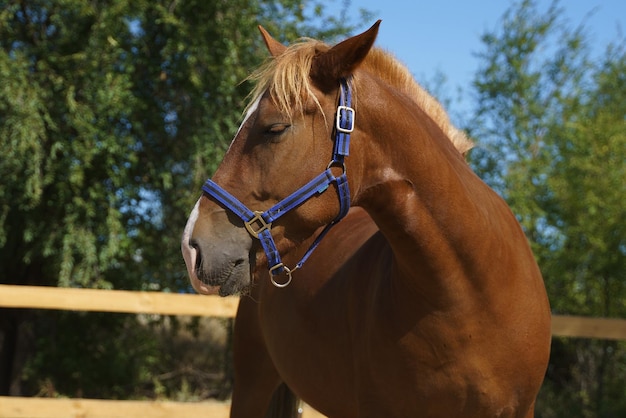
x=271, y=156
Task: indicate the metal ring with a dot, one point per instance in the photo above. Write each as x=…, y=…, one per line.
x=335, y=163
x=288, y=272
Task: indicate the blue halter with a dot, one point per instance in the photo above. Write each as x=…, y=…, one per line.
x=259, y=224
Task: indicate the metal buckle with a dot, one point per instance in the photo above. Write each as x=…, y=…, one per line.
x=350, y=117
x=257, y=220
x=288, y=272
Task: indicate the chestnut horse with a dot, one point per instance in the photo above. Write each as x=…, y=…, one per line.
x=423, y=301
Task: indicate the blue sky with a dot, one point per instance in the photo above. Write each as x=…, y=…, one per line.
x=444, y=35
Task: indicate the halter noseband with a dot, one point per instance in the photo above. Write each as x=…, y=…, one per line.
x=259, y=223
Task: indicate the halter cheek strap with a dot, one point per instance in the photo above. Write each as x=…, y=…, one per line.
x=259, y=224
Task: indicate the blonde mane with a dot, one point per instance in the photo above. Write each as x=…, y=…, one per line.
x=287, y=79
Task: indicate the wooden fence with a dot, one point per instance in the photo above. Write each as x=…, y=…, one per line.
x=37, y=297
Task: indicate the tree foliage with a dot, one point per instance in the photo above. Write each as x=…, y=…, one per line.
x=112, y=112
x=551, y=122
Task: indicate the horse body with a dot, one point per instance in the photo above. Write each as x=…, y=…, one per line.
x=425, y=302
x=350, y=346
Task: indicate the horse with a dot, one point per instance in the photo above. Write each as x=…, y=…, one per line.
x=379, y=275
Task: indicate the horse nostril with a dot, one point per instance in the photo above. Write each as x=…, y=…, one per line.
x=194, y=244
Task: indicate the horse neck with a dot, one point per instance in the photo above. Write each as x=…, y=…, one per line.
x=422, y=195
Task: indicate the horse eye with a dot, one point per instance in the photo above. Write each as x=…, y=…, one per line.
x=277, y=128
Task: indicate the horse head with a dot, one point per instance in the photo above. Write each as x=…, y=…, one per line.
x=268, y=195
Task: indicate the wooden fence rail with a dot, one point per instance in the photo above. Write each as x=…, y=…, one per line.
x=18, y=407
x=38, y=297
x=71, y=299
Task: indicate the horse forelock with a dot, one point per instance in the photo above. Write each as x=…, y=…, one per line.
x=286, y=77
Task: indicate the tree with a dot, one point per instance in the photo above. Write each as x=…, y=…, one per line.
x=111, y=114
x=551, y=123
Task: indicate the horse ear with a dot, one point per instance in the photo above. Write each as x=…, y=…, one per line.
x=275, y=47
x=342, y=59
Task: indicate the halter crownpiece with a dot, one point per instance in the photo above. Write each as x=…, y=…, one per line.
x=259, y=224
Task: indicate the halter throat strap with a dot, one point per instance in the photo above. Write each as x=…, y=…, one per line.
x=259, y=224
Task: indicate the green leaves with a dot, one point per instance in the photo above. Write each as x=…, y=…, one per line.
x=112, y=114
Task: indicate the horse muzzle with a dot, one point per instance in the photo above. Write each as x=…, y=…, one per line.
x=216, y=253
